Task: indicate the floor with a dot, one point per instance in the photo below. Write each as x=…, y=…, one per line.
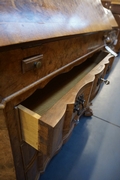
x=93, y=151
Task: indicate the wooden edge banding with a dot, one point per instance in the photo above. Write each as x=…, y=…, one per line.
x=101, y=65
x=67, y=99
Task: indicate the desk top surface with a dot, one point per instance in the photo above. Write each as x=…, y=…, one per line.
x=32, y=20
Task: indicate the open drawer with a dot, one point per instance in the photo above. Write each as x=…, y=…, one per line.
x=49, y=115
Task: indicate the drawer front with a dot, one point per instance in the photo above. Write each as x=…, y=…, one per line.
x=21, y=67
x=33, y=172
x=99, y=78
x=96, y=85
x=111, y=60
x=29, y=154
x=46, y=133
x=74, y=111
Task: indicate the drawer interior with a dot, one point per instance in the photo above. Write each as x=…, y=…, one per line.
x=43, y=99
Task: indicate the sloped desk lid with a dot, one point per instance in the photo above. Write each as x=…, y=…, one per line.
x=31, y=20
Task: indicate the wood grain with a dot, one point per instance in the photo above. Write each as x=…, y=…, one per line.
x=6, y=159
x=26, y=21
x=66, y=33
x=58, y=56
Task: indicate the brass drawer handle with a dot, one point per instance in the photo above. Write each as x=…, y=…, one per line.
x=100, y=80
x=78, y=107
x=107, y=82
x=38, y=64
x=32, y=63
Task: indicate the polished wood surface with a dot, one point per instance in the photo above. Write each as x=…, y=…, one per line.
x=41, y=40
x=58, y=57
x=24, y=21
